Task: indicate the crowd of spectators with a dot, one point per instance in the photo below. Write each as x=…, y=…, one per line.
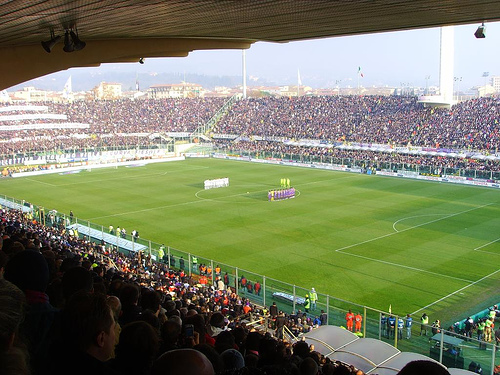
x=362, y=158
x=110, y=124
x=393, y=120
x=368, y=119
x=68, y=305
x=387, y=120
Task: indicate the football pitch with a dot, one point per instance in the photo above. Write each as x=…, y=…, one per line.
x=376, y=241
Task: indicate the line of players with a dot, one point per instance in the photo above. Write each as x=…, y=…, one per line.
x=286, y=191
x=217, y=183
x=280, y=194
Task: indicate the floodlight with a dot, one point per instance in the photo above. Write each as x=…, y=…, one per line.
x=480, y=32
x=48, y=45
x=72, y=42
x=68, y=42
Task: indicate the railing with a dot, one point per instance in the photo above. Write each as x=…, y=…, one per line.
x=416, y=339
x=205, y=128
x=366, y=163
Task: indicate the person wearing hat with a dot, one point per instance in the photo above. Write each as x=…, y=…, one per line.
x=314, y=298
x=307, y=303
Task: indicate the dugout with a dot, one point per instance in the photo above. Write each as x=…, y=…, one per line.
x=452, y=350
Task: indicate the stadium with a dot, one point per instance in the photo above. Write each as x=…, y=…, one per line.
x=309, y=234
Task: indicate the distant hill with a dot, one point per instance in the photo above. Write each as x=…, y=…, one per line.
x=86, y=79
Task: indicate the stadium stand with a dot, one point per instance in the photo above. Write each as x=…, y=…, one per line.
x=66, y=279
x=68, y=266
x=465, y=136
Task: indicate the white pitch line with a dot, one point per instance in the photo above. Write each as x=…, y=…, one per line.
x=489, y=243
x=456, y=291
x=128, y=177
x=404, y=230
x=412, y=217
x=410, y=228
x=403, y=266
x=41, y=182
x=145, y=210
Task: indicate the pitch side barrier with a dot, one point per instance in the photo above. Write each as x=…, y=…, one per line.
x=464, y=180
x=81, y=166
x=264, y=291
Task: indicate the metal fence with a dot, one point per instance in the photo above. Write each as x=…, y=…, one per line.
x=366, y=163
x=451, y=349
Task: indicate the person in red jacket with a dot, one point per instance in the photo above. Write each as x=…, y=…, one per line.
x=256, y=288
x=349, y=318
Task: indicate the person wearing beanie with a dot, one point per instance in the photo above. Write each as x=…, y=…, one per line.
x=233, y=361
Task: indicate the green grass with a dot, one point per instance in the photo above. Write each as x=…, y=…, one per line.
x=368, y=239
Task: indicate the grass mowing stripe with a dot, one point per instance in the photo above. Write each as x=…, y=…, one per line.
x=295, y=240
x=456, y=291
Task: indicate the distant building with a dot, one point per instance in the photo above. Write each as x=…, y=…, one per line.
x=181, y=90
x=292, y=90
x=108, y=91
x=30, y=94
x=495, y=82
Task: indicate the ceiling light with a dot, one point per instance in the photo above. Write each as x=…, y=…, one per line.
x=48, y=45
x=77, y=43
x=72, y=42
x=68, y=43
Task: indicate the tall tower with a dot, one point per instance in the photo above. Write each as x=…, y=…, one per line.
x=446, y=65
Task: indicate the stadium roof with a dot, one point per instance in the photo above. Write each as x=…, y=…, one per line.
x=126, y=30
x=367, y=354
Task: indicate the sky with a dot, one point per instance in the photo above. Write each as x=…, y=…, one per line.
x=394, y=59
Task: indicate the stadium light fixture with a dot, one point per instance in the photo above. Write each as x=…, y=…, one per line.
x=49, y=44
x=480, y=32
x=72, y=42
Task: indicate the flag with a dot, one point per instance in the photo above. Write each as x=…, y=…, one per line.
x=68, y=89
x=137, y=85
x=298, y=78
x=360, y=72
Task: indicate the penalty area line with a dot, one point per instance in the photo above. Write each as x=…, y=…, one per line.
x=403, y=266
x=455, y=292
x=41, y=182
x=484, y=251
x=340, y=250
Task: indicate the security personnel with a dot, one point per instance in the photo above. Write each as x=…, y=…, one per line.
x=401, y=324
x=423, y=327
x=349, y=319
x=480, y=329
x=194, y=260
x=314, y=298
x=307, y=303
x=408, y=323
x=357, y=322
x=392, y=325
x=487, y=329
x=383, y=325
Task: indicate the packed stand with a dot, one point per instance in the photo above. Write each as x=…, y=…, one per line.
x=368, y=119
x=365, y=158
x=111, y=124
x=68, y=305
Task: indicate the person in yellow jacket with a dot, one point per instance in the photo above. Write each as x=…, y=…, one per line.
x=314, y=298
x=424, y=320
